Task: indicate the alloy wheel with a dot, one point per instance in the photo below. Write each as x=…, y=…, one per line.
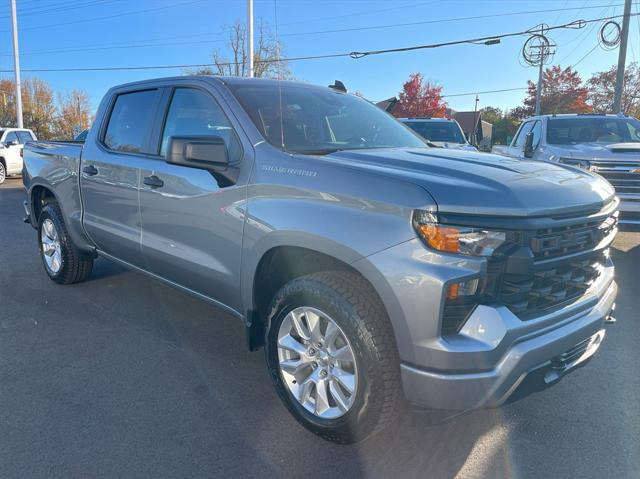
x=51, y=250
x=317, y=362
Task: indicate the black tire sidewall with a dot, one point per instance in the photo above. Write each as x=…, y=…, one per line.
x=352, y=425
x=3, y=177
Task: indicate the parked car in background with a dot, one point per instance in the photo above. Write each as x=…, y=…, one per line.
x=442, y=132
x=371, y=267
x=12, y=141
x=605, y=144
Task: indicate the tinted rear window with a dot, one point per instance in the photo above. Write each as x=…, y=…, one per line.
x=437, y=131
x=568, y=131
x=130, y=121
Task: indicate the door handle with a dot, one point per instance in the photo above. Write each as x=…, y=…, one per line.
x=153, y=181
x=90, y=170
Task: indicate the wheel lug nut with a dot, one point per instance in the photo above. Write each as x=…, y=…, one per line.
x=312, y=351
x=314, y=365
x=323, y=373
x=319, y=345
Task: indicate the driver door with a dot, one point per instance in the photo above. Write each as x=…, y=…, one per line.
x=192, y=222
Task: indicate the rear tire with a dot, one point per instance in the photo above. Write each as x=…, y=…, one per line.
x=62, y=261
x=346, y=414
x=3, y=172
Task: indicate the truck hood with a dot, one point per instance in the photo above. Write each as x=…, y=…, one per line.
x=477, y=183
x=599, y=151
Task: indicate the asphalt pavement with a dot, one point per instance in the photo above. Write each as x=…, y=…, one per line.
x=123, y=377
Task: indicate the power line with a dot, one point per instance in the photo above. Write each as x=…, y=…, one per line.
x=106, y=17
x=355, y=55
x=96, y=47
x=61, y=7
x=485, y=92
x=442, y=20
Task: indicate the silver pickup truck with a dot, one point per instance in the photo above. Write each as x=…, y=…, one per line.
x=605, y=144
x=371, y=267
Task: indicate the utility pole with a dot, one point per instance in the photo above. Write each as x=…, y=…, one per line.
x=16, y=63
x=474, y=134
x=540, y=68
x=622, y=58
x=250, y=35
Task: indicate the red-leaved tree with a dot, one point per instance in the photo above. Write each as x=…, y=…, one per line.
x=562, y=92
x=419, y=98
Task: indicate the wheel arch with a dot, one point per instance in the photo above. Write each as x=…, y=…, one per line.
x=281, y=263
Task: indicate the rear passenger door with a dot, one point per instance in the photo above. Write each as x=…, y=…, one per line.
x=110, y=173
x=192, y=222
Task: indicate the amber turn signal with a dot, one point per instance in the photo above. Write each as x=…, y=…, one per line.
x=441, y=238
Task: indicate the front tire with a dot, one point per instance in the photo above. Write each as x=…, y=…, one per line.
x=332, y=356
x=3, y=172
x=62, y=261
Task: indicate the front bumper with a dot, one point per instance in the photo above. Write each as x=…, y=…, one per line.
x=463, y=391
x=495, y=350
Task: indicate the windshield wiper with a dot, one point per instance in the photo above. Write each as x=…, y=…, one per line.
x=318, y=151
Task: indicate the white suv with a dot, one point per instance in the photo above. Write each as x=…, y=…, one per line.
x=11, y=142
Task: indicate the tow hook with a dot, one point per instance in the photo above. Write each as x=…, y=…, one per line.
x=610, y=319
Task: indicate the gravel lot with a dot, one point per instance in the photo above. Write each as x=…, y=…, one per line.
x=124, y=377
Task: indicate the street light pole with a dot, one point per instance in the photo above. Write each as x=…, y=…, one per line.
x=250, y=35
x=622, y=58
x=16, y=63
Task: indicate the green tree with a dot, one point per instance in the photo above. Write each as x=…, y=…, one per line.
x=504, y=124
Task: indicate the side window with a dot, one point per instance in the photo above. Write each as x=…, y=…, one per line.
x=196, y=113
x=11, y=136
x=130, y=121
x=537, y=132
x=24, y=136
x=524, y=129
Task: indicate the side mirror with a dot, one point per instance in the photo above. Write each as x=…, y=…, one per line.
x=528, y=145
x=7, y=144
x=205, y=153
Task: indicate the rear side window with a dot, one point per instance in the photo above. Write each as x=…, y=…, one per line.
x=130, y=121
x=24, y=136
x=11, y=136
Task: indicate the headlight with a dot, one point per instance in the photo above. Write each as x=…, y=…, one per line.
x=456, y=239
x=584, y=164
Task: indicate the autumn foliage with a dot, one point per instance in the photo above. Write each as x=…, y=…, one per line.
x=420, y=98
x=562, y=92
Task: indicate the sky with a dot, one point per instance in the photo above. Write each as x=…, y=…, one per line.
x=116, y=33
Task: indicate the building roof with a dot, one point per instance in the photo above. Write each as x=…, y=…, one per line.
x=468, y=119
x=388, y=104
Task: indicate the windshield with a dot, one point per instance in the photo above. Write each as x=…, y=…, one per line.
x=569, y=131
x=317, y=121
x=445, y=131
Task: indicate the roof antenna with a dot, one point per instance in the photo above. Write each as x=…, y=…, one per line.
x=339, y=86
x=279, y=72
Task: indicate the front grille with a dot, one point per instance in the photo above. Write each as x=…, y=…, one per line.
x=620, y=175
x=538, y=271
x=549, y=243
x=540, y=292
